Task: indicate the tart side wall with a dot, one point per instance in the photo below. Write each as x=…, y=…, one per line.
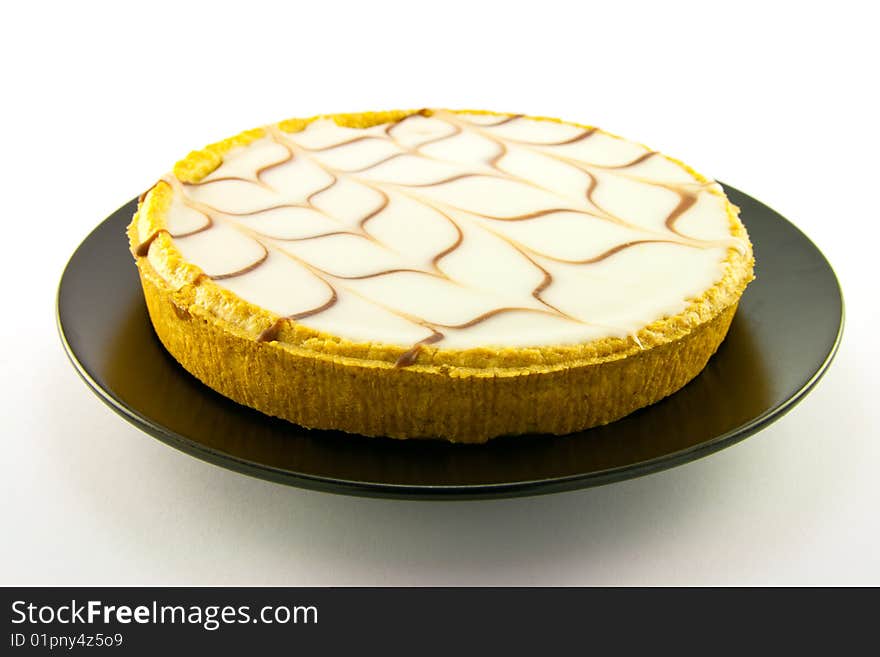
x=376, y=399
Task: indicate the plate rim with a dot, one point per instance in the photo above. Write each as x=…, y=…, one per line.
x=522, y=488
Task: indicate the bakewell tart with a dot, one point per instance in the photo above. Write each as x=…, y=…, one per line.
x=439, y=274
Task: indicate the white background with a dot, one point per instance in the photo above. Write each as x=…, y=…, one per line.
x=774, y=98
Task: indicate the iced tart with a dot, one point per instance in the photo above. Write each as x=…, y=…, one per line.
x=439, y=274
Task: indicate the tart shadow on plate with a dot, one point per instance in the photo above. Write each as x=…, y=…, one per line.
x=162, y=388
x=781, y=340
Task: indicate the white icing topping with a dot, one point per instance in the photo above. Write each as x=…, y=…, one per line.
x=465, y=229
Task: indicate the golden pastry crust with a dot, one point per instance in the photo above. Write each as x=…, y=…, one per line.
x=323, y=381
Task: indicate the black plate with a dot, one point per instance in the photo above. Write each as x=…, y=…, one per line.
x=781, y=341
